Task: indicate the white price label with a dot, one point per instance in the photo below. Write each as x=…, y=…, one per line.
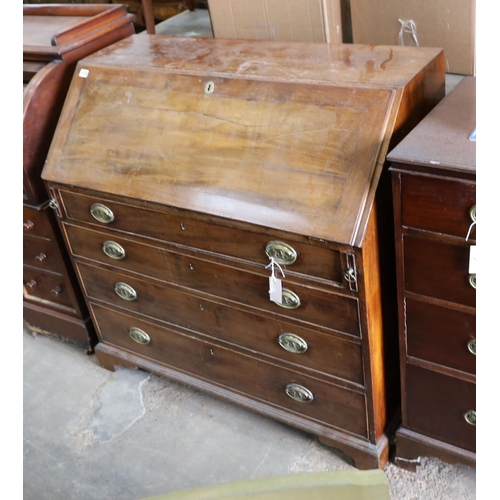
x=275, y=293
x=472, y=260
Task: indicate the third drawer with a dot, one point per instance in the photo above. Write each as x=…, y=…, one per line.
x=335, y=355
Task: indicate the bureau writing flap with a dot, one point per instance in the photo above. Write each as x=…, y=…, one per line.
x=300, y=155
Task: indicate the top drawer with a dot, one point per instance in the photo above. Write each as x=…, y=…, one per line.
x=296, y=257
x=438, y=205
x=36, y=223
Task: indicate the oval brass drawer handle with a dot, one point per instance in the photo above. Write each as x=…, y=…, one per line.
x=125, y=291
x=281, y=252
x=102, y=213
x=472, y=213
x=113, y=250
x=139, y=336
x=292, y=343
x=299, y=393
x=470, y=417
x=289, y=299
x=471, y=345
x=472, y=280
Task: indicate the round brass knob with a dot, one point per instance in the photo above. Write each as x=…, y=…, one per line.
x=470, y=417
x=289, y=299
x=471, y=345
x=40, y=257
x=472, y=213
x=472, y=280
x=299, y=393
x=31, y=284
x=139, y=336
x=292, y=343
x=102, y=213
x=113, y=250
x=281, y=252
x=125, y=291
x=56, y=291
x=28, y=225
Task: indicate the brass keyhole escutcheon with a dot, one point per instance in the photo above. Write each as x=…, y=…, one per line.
x=139, y=336
x=102, y=213
x=209, y=87
x=113, y=250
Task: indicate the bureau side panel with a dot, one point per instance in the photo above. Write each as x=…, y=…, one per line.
x=380, y=340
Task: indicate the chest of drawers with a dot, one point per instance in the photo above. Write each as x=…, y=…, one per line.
x=434, y=181
x=183, y=170
x=55, y=37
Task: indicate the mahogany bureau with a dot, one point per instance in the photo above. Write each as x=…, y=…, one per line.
x=189, y=174
x=434, y=181
x=55, y=37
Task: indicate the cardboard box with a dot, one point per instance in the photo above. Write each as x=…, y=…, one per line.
x=450, y=24
x=286, y=20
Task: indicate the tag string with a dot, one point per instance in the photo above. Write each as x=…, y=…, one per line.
x=470, y=230
x=271, y=265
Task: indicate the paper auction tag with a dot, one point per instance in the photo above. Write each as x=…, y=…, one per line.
x=275, y=293
x=472, y=260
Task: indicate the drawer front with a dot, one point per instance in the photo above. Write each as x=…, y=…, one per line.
x=437, y=406
x=36, y=223
x=316, y=307
x=332, y=405
x=441, y=335
x=42, y=253
x=45, y=286
x=438, y=205
x=309, y=260
x=439, y=270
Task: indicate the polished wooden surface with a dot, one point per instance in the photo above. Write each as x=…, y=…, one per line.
x=433, y=171
x=187, y=158
x=443, y=139
x=318, y=158
x=70, y=32
x=54, y=38
x=220, y=237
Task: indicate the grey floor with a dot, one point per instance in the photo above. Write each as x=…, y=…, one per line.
x=128, y=435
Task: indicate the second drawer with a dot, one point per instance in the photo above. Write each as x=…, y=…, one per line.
x=311, y=305
x=439, y=270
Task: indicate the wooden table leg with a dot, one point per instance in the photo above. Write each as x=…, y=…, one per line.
x=149, y=19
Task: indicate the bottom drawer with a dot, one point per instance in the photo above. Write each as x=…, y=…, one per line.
x=324, y=402
x=440, y=406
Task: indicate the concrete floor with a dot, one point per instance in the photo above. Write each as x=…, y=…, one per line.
x=92, y=434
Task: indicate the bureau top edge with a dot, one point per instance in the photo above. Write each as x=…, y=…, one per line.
x=355, y=64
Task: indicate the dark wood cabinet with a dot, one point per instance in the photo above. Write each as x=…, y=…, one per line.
x=434, y=182
x=55, y=37
x=183, y=170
